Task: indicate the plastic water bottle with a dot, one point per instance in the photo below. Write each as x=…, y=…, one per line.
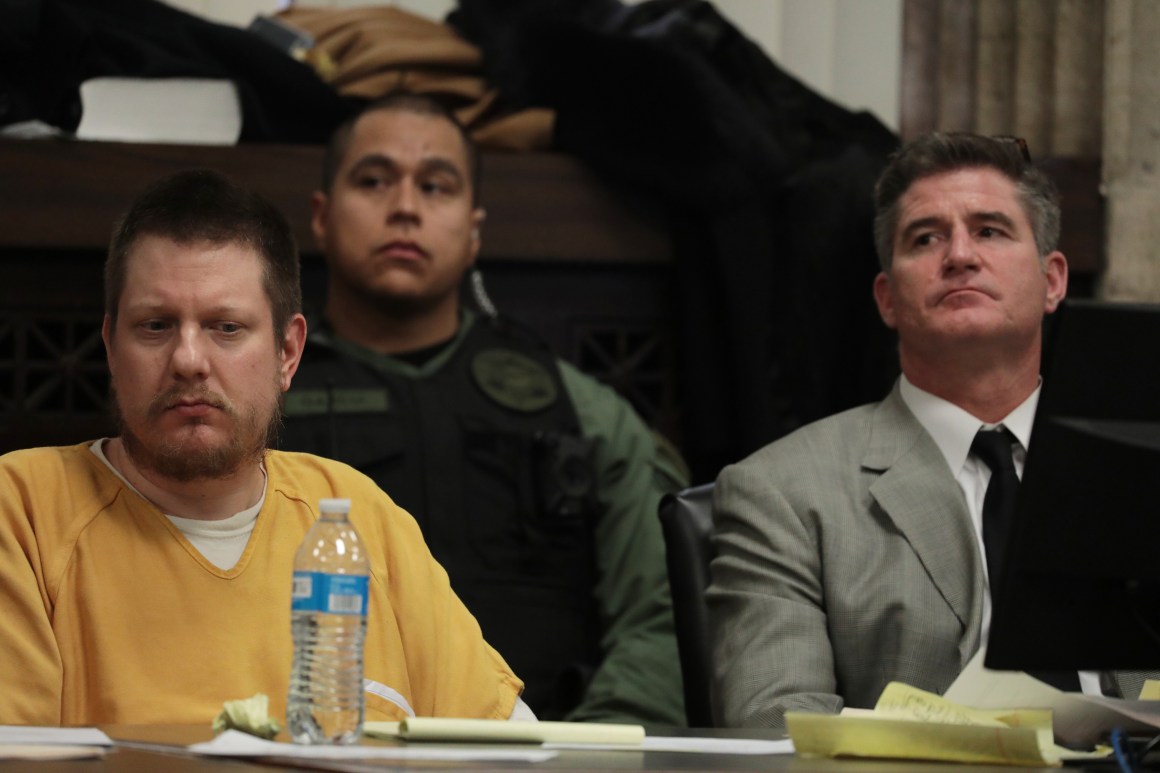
x=328, y=620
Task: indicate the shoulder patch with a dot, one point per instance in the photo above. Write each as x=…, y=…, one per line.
x=514, y=380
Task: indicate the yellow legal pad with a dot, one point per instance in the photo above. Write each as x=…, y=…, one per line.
x=1151, y=690
x=908, y=723
x=504, y=731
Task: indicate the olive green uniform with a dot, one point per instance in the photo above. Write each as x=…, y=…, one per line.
x=537, y=489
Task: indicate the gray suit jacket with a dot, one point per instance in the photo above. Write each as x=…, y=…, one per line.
x=846, y=559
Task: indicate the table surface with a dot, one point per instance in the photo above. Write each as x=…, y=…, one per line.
x=124, y=759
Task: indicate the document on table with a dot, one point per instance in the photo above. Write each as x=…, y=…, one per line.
x=448, y=729
x=593, y=736
x=699, y=745
x=1078, y=719
x=233, y=743
x=908, y=723
x=19, y=742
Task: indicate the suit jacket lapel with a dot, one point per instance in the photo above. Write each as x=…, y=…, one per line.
x=913, y=490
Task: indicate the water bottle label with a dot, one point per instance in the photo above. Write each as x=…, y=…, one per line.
x=336, y=594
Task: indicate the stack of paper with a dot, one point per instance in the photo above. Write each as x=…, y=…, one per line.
x=443, y=729
x=51, y=743
x=196, y=111
x=908, y=723
x=234, y=743
x=566, y=735
x=1079, y=720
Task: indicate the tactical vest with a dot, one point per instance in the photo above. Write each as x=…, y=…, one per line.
x=486, y=453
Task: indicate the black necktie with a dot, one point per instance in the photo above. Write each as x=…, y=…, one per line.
x=993, y=447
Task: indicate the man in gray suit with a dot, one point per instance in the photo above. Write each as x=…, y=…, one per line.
x=851, y=553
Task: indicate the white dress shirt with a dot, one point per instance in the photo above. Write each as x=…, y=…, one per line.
x=953, y=431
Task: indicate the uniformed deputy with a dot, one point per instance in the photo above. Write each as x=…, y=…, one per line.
x=535, y=486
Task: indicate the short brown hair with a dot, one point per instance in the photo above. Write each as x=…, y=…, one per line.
x=940, y=152
x=201, y=205
x=403, y=102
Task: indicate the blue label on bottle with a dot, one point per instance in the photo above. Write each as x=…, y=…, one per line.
x=335, y=594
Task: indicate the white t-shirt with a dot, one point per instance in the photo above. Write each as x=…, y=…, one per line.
x=222, y=542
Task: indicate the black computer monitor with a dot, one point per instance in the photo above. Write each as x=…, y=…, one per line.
x=1081, y=580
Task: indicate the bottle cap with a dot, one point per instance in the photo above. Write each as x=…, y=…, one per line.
x=334, y=505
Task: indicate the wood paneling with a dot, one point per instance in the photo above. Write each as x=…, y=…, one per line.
x=542, y=206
